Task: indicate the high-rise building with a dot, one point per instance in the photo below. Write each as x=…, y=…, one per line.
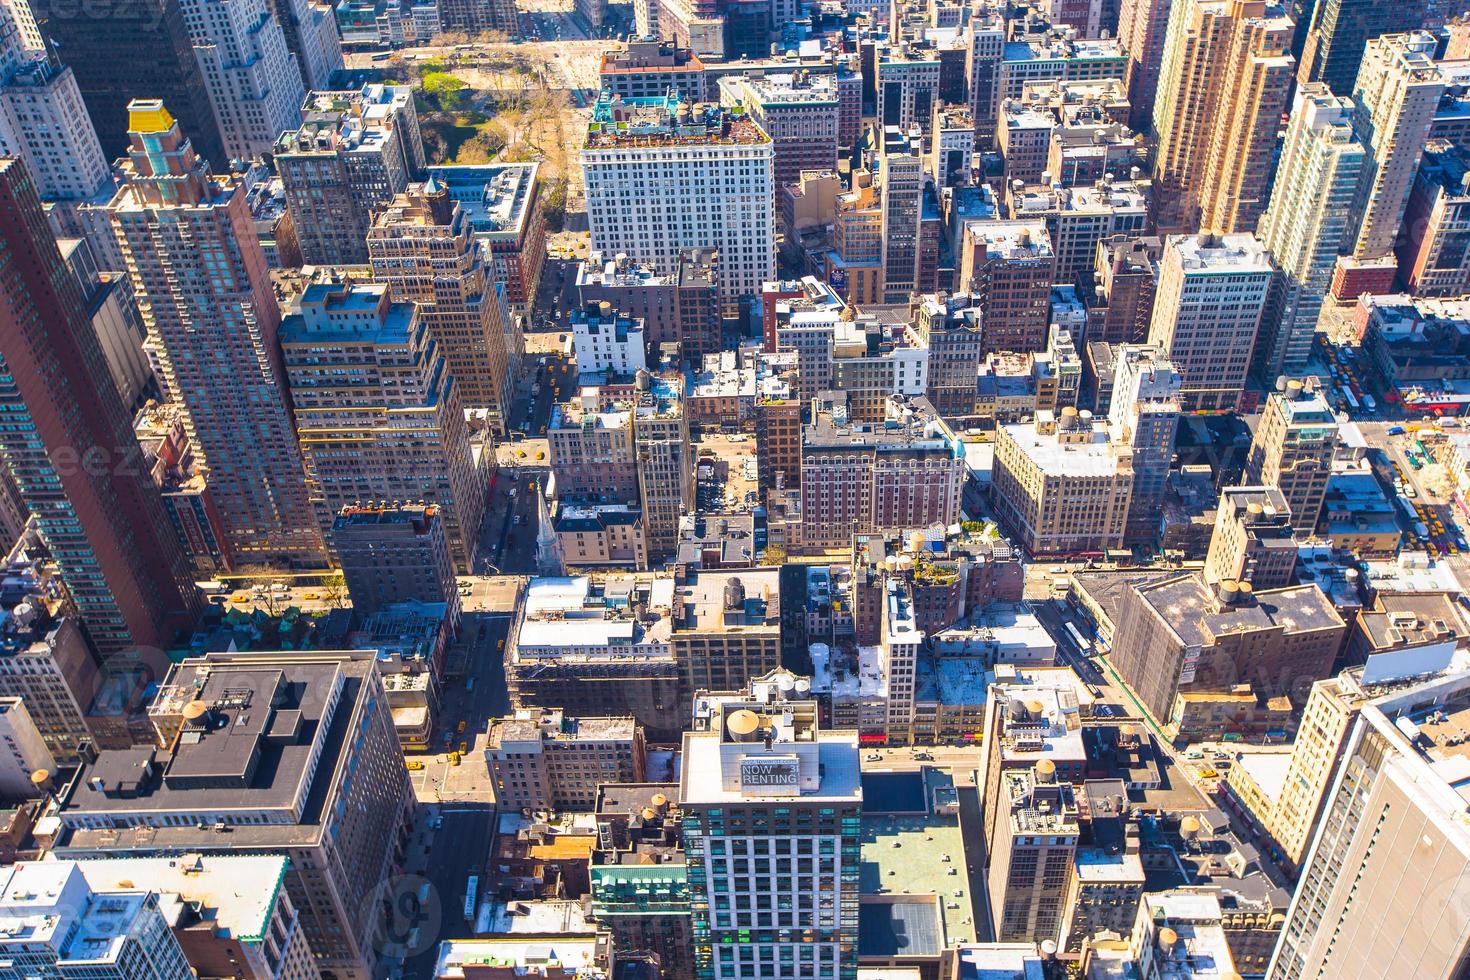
x=1293, y=449
x=1252, y=539
x=71, y=451
x=25, y=22
x=1178, y=640
x=378, y=413
x=1431, y=253
x=797, y=111
x=253, y=81
x=207, y=299
x=229, y=913
x=1126, y=275
x=665, y=461
x=1207, y=310
x=1395, y=98
x=1307, y=224
x=1391, y=814
x=103, y=50
x=310, y=30
x=503, y=201
x=900, y=472
x=44, y=122
x=572, y=646
x=23, y=751
x=1144, y=415
x=394, y=554
x=591, y=450
x=662, y=176
x=952, y=328
x=639, y=875
x=353, y=152
x=45, y=659
x=291, y=753
x=477, y=16
x=646, y=67
x=1340, y=31
x=1142, y=27
x=1223, y=82
x=108, y=296
x=547, y=760
x=1062, y=484
x=986, y=36
x=422, y=246
x=1032, y=844
x=902, y=175
x=1009, y=268
x=53, y=923
x=1077, y=219
x=764, y=789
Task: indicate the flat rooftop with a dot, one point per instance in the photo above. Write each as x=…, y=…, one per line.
x=237, y=892
x=1191, y=610
x=837, y=754
x=911, y=857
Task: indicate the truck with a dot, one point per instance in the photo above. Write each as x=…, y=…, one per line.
x=1369, y=404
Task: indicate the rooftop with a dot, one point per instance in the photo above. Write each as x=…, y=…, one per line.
x=578, y=957
x=1221, y=254
x=1197, y=615
x=496, y=198
x=668, y=121
x=236, y=892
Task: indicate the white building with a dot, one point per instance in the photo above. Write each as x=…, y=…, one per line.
x=22, y=751
x=311, y=33
x=1305, y=225
x=1207, y=309
x=44, y=122
x=253, y=82
x=53, y=924
x=662, y=176
x=605, y=340
x=250, y=917
x=762, y=788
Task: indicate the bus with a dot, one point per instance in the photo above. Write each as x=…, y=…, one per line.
x=1076, y=635
x=1351, y=398
x=471, y=890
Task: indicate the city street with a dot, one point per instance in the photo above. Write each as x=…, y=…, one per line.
x=456, y=849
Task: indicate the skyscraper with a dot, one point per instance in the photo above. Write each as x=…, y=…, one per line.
x=1206, y=313
x=1142, y=26
x=1222, y=87
x=1340, y=31
x=662, y=178
x=1306, y=224
x=986, y=35
x=127, y=50
x=665, y=461
x=1385, y=890
x=1395, y=99
x=422, y=246
x=1293, y=449
x=44, y=122
x=902, y=174
x=1144, y=415
x=377, y=411
x=208, y=301
x=310, y=30
x=353, y=151
x=69, y=444
x=772, y=808
x=252, y=80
